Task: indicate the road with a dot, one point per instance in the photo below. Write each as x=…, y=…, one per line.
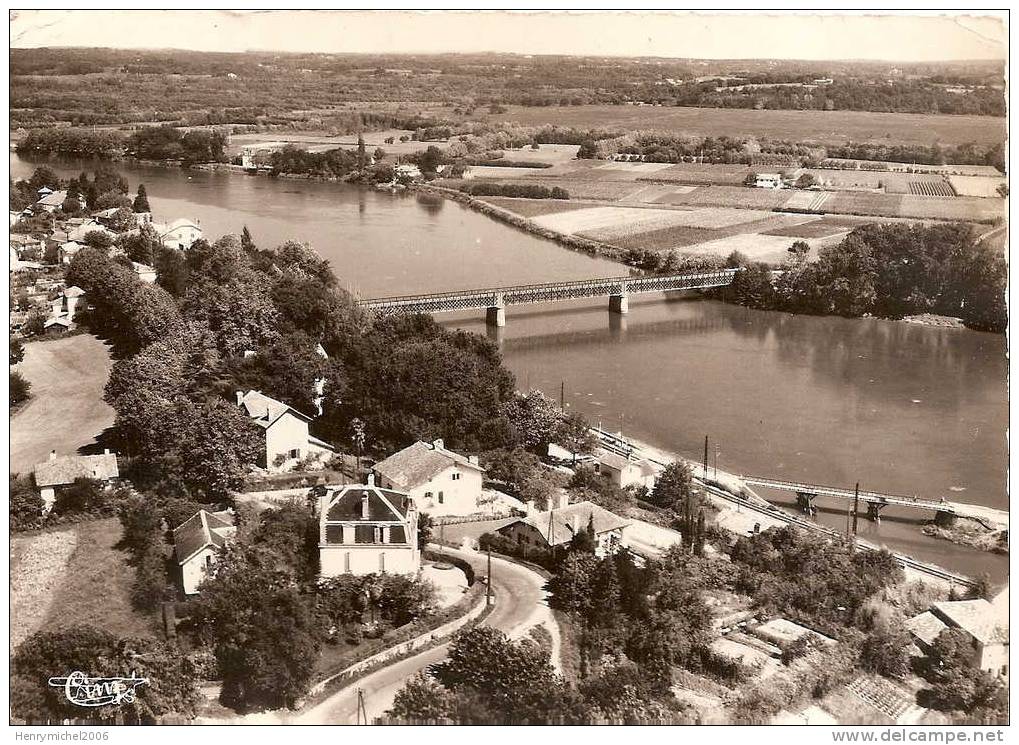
x=66, y=410
x=520, y=604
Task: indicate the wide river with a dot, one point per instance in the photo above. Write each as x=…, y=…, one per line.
x=900, y=408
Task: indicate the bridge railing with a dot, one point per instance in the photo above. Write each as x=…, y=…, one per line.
x=551, y=291
x=836, y=491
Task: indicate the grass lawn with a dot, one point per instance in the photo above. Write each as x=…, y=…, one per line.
x=38, y=566
x=95, y=585
x=66, y=410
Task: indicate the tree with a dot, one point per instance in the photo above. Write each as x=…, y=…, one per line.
x=425, y=529
x=423, y=698
x=799, y=250
x=16, y=350
x=570, y=587
x=246, y=241
x=113, y=199
x=19, y=388
x=588, y=149
x=262, y=629
x=535, y=419
x=98, y=239
x=25, y=502
x=379, y=154
x=141, y=200
x=674, y=486
x=575, y=435
x=170, y=676
x=885, y=652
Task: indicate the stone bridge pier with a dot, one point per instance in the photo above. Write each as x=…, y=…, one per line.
x=495, y=315
x=619, y=301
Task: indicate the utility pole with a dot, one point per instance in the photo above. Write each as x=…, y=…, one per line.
x=856, y=507
x=705, y=456
x=362, y=714
x=562, y=395
x=716, y=461
x=488, y=588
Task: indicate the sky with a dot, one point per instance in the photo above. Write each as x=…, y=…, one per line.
x=911, y=37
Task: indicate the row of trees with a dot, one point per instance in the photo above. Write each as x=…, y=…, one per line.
x=526, y=191
x=889, y=270
x=170, y=143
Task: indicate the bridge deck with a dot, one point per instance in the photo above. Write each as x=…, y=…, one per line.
x=489, y=297
x=865, y=496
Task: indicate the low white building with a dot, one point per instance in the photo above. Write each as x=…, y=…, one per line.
x=366, y=529
x=287, y=436
x=56, y=472
x=768, y=181
x=197, y=543
x=557, y=528
x=180, y=234
x=985, y=624
x=624, y=470
x=440, y=481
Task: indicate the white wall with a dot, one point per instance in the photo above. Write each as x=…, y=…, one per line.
x=459, y=496
x=286, y=433
x=193, y=570
x=368, y=558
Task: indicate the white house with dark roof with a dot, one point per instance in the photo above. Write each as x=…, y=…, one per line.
x=287, y=437
x=440, y=481
x=545, y=530
x=56, y=472
x=985, y=624
x=367, y=529
x=197, y=543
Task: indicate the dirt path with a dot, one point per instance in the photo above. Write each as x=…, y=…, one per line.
x=66, y=410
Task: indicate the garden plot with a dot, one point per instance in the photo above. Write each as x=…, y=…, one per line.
x=741, y=197
x=807, y=200
x=976, y=186
x=535, y=207
x=505, y=172
x=677, y=237
x=959, y=208
x=638, y=169
x=755, y=246
x=613, y=220
x=817, y=228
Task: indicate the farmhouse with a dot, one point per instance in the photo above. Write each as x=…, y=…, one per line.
x=440, y=481
x=985, y=624
x=624, y=470
x=364, y=529
x=57, y=472
x=287, y=439
x=557, y=527
x=196, y=545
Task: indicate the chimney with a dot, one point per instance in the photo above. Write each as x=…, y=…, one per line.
x=365, y=514
x=106, y=451
x=561, y=499
x=371, y=479
x=473, y=459
x=53, y=454
x=438, y=444
x=240, y=397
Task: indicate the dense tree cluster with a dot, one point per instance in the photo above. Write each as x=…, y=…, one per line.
x=170, y=680
x=958, y=685
x=294, y=160
x=169, y=143
x=807, y=577
x=525, y=191
x=892, y=271
x=79, y=143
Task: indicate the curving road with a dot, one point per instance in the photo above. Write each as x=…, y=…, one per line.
x=520, y=604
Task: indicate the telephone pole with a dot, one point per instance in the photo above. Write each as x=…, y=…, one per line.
x=562, y=395
x=488, y=588
x=856, y=507
x=705, y=456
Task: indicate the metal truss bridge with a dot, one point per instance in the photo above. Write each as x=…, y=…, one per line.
x=495, y=299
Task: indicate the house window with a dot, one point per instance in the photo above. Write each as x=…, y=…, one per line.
x=378, y=535
x=428, y=495
x=456, y=477
x=295, y=453
x=440, y=497
x=208, y=560
x=382, y=562
x=346, y=562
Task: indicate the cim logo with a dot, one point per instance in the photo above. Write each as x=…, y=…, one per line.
x=81, y=690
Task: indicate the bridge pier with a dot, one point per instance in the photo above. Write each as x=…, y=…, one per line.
x=805, y=501
x=495, y=315
x=874, y=511
x=619, y=304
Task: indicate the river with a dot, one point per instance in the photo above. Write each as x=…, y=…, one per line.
x=900, y=408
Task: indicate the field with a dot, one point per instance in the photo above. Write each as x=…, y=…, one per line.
x=38, y=566
x=976, y=186
x=66, y=410
x=812, y=126
x=95, y=585
x=535, y=207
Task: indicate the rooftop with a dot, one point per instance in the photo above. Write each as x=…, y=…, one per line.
x=562, y=524
x=64, y=470
x=365, y=503
x=419, y=463
x=200, y=530
x=978, y=618
x=264, y=409
x=619, y=462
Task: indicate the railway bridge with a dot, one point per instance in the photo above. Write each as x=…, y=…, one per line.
x=875, y=501
x=494, y=300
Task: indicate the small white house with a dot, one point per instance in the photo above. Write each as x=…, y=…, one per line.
x=557, y=528
x=366, y=529
x=181, y=233
x=55, y=472
x=985, y=624
x=440, y=481
x=196, y=545
x=287, y=438
x=624, y=470
x=768, y=181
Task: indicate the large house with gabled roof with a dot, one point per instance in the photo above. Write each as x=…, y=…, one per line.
x=197, y=543
x=366, y=529
x=440, y=481
x=288, y=440
x=57, y=472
